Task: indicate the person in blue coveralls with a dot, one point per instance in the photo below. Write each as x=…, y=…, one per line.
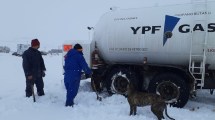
x=74, y=64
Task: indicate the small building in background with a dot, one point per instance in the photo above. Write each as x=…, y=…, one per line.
x=4, y=49
x=21, y=48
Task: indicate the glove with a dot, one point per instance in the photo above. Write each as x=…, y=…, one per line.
x=88, y=76
x=43, y=74
x=30, y=79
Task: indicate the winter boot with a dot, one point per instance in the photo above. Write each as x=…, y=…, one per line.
x=28, y=94
x=40, y=93
x=69, y=104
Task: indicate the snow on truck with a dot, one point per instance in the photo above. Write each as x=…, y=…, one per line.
x=162, y=49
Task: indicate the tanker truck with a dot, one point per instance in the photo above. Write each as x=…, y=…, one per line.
x=167, y=50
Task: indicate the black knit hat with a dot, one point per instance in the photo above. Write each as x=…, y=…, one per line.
x=77, y=46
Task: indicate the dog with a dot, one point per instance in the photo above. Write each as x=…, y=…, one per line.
x=141, y=99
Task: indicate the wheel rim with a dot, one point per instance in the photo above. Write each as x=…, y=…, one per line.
x=119, y=84
x=168, y=90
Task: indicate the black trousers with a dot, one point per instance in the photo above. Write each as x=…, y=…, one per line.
x=39, y=85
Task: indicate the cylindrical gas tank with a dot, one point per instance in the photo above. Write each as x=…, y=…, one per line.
x=163, y=35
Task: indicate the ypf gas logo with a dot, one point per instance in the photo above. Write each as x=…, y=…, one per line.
x=169, y=25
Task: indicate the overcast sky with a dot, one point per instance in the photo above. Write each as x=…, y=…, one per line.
x=55, y=21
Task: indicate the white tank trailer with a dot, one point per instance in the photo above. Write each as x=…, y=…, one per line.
x=168, y=50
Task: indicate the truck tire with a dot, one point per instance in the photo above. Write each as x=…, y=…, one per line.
x=170, y=86
x=118, y=79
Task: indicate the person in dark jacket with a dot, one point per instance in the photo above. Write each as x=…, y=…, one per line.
x=74, y=64
x=34, y=68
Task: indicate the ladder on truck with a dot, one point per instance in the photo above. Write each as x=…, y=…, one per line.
x=198, y=45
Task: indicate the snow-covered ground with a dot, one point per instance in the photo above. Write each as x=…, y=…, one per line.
x=15, y=106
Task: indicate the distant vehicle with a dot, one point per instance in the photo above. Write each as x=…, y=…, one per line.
x=55, y=51
x=43, y=52
x=15, y=53
x=21, y=48
x=4, y=49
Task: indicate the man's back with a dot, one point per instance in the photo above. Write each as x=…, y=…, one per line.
x=33, y=62
x=72, y=60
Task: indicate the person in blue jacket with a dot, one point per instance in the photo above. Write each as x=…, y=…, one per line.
x=74, y=64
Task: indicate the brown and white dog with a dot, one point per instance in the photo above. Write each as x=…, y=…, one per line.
x=141, y=99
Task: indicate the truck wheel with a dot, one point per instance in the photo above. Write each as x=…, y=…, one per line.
x=118, y=79
x=170, y=86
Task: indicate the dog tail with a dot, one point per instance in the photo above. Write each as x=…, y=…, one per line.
x=167, y=114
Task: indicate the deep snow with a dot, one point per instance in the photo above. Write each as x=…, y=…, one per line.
x=15, y=106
